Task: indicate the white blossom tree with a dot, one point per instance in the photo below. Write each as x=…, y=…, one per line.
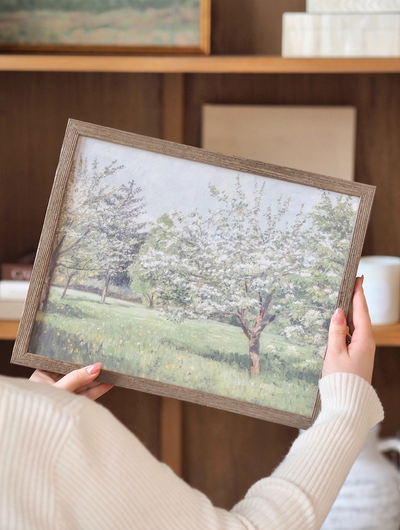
x=118, y=233
x=98, y=231
x=232, y=262
x=313, y=297
x=148, y=282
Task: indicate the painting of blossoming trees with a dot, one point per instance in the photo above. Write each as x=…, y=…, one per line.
x=195, y=275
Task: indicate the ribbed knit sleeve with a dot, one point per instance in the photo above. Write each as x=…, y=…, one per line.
x=67, y=463
x=33, y=431
x=304, y=487
x=107, y=479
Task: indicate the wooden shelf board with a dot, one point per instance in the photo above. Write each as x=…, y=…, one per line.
x=189, y=64
x=387, y=335
x=8, y=329
x=384, y=335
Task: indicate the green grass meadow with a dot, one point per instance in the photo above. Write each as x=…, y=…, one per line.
x=204, y=355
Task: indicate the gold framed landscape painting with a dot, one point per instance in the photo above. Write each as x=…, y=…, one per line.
x=109, y=26
x=191, y=274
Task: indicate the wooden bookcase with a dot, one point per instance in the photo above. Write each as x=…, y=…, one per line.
x=220, y=453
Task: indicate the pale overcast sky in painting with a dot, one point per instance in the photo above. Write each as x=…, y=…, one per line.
x=170, y=183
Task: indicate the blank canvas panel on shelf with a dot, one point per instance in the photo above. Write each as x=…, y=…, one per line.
x=311, y=138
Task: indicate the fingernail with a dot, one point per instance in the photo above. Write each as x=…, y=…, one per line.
x=94, y=368
x=362, y=279
x=338, y=316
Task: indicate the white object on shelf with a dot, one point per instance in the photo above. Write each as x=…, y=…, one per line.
x=11, y=310
x=353, y=6
x=13, y=289
x=381, y=287
x=341, y=35
x=318, y=139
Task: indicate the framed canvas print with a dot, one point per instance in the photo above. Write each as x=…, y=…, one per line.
x=316, y=139
x=111, y=26
x=191, y=274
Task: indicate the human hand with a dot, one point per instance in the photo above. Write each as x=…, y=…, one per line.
x=80, y=381
x=358, y=356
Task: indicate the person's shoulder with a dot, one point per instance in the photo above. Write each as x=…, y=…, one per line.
x=26, y=390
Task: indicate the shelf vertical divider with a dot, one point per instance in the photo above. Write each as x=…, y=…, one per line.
x=173, y=106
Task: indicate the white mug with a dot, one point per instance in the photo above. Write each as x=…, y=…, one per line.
x=381, y=287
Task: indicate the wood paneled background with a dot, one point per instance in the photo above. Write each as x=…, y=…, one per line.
x=222, y=453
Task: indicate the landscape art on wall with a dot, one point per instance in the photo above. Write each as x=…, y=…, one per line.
x=189, y=274
x=151, y=26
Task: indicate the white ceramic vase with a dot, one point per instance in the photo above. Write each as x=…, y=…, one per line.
x=370, y=497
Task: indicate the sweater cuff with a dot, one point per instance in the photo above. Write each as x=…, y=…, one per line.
x=349, y=394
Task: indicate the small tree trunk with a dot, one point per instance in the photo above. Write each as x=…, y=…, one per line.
x=105, y=289
x=254, y=334
x=254, y=354
x=70, y=276
x=47, y=285
x=52, y=267
x=151, y=302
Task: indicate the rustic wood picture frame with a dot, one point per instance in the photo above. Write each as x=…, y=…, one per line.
x=34, y=31
x=228, y=171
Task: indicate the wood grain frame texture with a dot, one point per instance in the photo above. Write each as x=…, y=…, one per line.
x=76, y=129
x=203, y=48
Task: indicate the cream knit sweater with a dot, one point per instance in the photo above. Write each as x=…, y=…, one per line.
x=67, y=463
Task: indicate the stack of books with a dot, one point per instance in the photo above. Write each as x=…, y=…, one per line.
x=343, y=28
x=14, y=285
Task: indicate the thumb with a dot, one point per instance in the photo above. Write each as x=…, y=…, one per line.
x=337, y=333
x=79, y=378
